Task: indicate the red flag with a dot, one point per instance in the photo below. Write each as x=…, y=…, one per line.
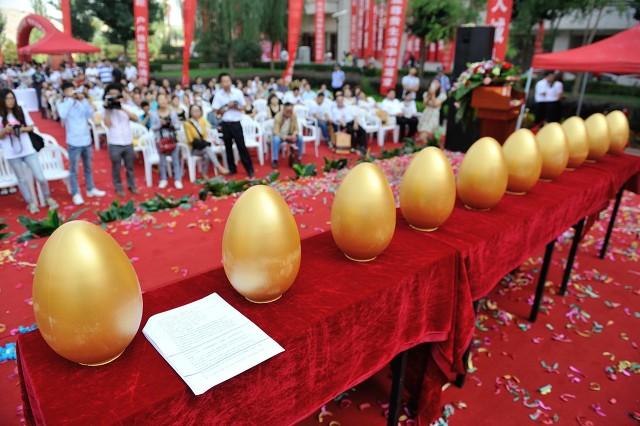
x=188, y=17
x=539, y=38
x=369, y=45
x=294, y=26
x=362, y=4
x=319, y=32
x=141, y=26
x=353, y=45
x=499, y=15
x=392, y=41
x=65, y=7
x=380, y=28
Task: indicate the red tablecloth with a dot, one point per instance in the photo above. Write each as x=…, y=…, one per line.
x=340, y=322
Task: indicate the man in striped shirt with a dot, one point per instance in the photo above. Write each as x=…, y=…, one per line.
x=105, y=72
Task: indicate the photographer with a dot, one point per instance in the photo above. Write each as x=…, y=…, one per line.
x=119, y=137
x=164, y=123
x=75, y=110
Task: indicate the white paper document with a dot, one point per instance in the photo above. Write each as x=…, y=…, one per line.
x=208, y=341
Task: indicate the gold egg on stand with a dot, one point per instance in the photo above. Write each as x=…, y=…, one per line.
x=261, y=245
x=618, y=131
x=86, y=296
x=428, y=190
x=576, y=133
x=555, y=152
x=597, y=135
x=363, y=214
x=524, y=161
x=483, y=175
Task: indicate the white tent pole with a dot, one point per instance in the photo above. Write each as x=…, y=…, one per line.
x=526, y=96
x=583, y=88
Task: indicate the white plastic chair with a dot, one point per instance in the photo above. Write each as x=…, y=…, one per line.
x=369, y=122
x=308, y=128
x=252, y=137
x=260, y=105
x=137, y=132
x=301, y=111
x=51, y=159
x=390, y=126
x=150, y=155
x=97, y=129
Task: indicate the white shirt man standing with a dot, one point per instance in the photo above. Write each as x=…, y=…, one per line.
x=130, y=72
x=543, y=95
x=410, y=84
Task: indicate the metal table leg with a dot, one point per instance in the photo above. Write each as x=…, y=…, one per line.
x=548, y=252
x=398, y=367
x=612, y=221
x=577, y=236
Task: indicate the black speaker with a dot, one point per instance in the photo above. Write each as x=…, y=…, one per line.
x=473, y=44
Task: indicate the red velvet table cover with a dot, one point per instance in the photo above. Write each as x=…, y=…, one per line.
x=340, y=323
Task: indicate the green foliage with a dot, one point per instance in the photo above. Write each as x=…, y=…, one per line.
x=160, y=202
x=337, y=164
x=219, y=186
x=4, y=235
x=116, y=211
x=434, y=20
x=82, y=25
x=45, y=227
x=304, y=170
x=434, y=139
x=408, y=148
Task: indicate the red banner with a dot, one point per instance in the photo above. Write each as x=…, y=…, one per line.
x=362, y=7
x=380, y=31
x=141, y=27
x=318, y=42
x=293, y=30
x=353, y=44
x=65, y=7
x=499, y=15
x=392, y=40
x=369, y=37
x=539, y=38
x=189, y=18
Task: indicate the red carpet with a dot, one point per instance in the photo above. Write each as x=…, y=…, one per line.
x=167, y=246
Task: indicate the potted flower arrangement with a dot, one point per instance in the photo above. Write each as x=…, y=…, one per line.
x=478, y=74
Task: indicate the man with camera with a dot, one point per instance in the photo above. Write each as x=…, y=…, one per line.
x=119, y=138
x=75, y=110
x=228, y=103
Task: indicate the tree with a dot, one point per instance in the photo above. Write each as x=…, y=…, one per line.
x=39, y=7
x=433, y=20
x=3, y=24
x=82, y=25
x=273, y=24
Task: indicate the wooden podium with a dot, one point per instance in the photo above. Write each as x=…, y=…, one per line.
x=497, y=110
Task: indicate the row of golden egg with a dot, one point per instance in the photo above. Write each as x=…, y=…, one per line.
x=86, y=296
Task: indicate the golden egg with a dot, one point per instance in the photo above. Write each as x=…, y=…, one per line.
x=428, y=190
x=618, y=131
x=261, y=245
x=363, y=214
x=86, y=297
x=597, y=135
x=523, y=159
x=576, y=135
x=555, y=152
x=483, y=175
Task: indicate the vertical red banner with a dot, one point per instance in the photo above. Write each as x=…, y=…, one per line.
x=499, y=15
x=293, y=30
x=362, y=8
x=392, y=42
x=141, y=27
x=380, y=36
x=318, y=41
x=189, y=18
x=539, y=38
x=65, y=7
x=370, y=28
x=353, y=43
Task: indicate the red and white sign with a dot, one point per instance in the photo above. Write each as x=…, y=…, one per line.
x=369, y=35
x=380, y=31
x=141, y=27
x=499, y=15
x=319, y=32
x=362, y=8
x=294, y=27
x=392, y=43
x=353, y=44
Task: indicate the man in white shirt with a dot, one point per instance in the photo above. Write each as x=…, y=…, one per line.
x=543, y=95
x=293, y=97
x=55, y=78
x=321, y=111
x=343, y=120
x=407, y=119
x=410, y=84
x=337, y=78
x=119, y=137
x=390, y=104
x=91, y=72
x=130, y=72
x=67, y=74
x=228, y=104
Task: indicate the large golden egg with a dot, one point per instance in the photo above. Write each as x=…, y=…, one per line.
x=576, y=133
x=618, y=131
x=261, y=245
x=483, y=175
x=555, y=152
x=363, y=214
x=428, y=190
x=86, y=297
x=523, y=159
x=597, y=135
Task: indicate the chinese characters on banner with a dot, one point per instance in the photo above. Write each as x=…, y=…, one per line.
x=362, y=7
x=499, y=15
x=141, y=24
x=353, y=44
x=380, y=31
x=189, y=17
x=369, y=36
x=294, y=26
x=392, y=41
x=319, y=32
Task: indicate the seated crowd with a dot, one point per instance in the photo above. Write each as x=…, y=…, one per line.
x=206, y=116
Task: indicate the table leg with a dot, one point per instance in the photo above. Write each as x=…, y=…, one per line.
x=577, y=236
x=548, y=252
x=460, y=378
x=398, y=367
x=612, y=221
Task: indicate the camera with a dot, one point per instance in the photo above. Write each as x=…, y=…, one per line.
x=113, y=102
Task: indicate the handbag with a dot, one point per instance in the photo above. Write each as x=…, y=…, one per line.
x=198, y=143
x=36, y=140
x=167, y=142
x=343, y=142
